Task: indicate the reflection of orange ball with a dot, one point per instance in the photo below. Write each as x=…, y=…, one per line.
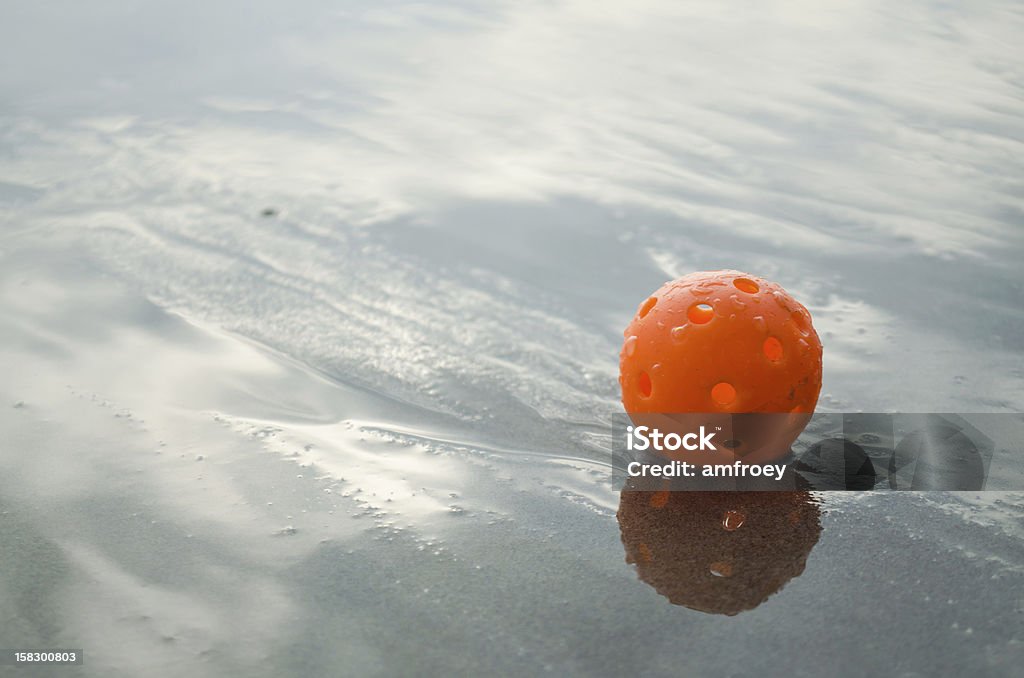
x=720, y=341
x=718, y=552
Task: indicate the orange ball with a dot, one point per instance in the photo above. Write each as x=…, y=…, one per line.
x=720, y=342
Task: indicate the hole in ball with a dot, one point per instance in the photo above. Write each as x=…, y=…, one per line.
x=772, y=348
x=720, y=569
x=723, y=393
x=700, y=313
x=746, y=285
x=646, y=307
x=645, y=385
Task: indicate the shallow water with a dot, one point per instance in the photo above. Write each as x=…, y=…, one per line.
x=310, y=318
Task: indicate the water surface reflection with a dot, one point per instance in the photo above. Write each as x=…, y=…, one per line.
x=718, y=552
